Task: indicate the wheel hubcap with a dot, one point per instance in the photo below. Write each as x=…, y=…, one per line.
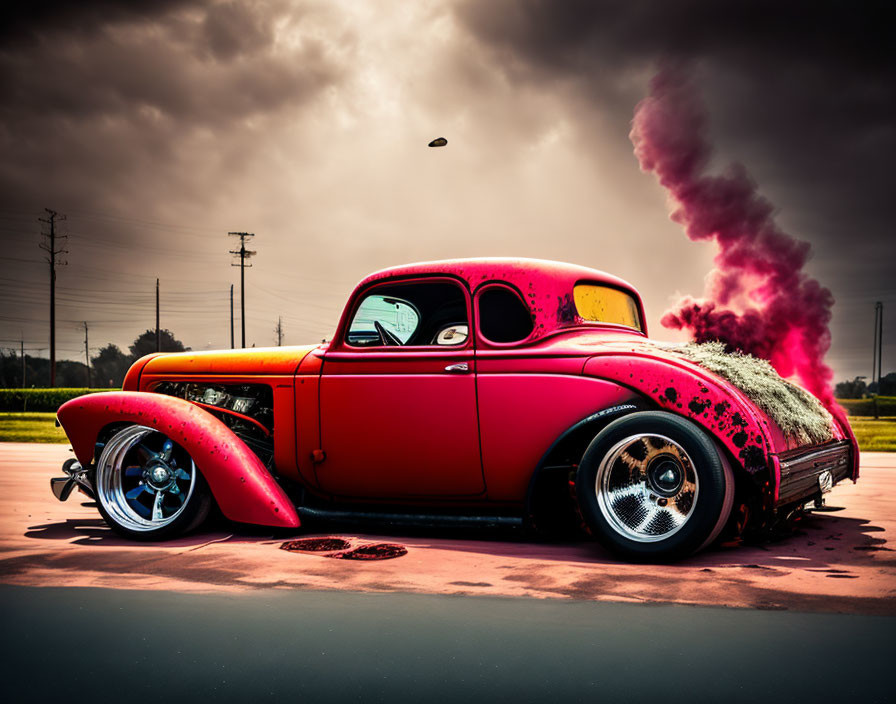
x=144, y=480
x=646, y=487
x=665, y=476
x=159, y=477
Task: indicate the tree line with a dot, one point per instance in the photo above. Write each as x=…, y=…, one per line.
x=857, y=388
x=107, y=368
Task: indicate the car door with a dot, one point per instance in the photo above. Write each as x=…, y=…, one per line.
x=398, y=412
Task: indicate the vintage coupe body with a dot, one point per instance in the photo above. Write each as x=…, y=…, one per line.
x=472, y=391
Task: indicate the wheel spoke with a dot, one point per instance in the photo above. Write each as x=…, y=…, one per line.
x=181, y=474
x=165, y=455
x=135, y=492
x=157, y=506
x=651, y=514
x=146, y=453
x=632, y=463
x=133, y=471
x=633, y=491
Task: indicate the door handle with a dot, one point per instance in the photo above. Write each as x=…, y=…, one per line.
x=459, y=368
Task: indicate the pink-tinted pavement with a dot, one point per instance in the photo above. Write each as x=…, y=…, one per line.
x=840, y=561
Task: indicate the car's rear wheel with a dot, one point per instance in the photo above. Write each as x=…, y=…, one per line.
x=148, y=487
x=653, y=486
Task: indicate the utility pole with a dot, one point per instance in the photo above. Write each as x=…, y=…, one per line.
x=879, y=306
x=231, y=317
x=244, y=254
x=50, y=248
x=279, y=331
x=87, y=354
x=158, y=333
x=878, y=349
x=23, y=363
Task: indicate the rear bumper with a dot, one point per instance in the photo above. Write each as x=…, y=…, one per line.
x=801, y=473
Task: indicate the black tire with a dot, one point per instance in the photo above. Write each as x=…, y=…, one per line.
x=135, y=502
x=653, y=487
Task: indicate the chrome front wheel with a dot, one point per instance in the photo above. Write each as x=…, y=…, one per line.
x=148, y=486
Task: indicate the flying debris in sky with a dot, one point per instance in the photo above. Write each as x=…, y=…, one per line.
x=438, y=142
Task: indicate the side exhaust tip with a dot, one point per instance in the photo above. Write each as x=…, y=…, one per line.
x=62, y=487
x=76, y=476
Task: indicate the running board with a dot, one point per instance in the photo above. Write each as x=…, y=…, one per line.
x=411, y=519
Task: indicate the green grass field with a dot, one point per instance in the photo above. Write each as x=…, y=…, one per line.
x=30, y=427
x=873, y=435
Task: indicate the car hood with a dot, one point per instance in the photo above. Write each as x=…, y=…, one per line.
x=255, y=360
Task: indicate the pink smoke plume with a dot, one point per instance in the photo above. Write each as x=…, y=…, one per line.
x=758, y=299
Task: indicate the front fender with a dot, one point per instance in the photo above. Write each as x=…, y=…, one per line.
x=244, y=489
x=698, y=395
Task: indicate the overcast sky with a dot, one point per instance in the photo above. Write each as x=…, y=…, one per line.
x=157, y=127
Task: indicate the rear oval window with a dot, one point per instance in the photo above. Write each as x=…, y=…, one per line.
x=604, y=304
x=503, y=317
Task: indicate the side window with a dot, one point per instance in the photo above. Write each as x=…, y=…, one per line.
x=503, y=317
x=604, y=304
x=411, y=314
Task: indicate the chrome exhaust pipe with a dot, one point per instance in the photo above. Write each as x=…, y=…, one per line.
x=76, y=476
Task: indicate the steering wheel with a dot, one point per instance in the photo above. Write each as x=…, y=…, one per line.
x=386, y=337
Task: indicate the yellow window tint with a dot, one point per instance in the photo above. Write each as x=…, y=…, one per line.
x=607, y=305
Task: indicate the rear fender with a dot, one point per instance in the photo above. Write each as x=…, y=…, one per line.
x=244, y=489
x=700, y=396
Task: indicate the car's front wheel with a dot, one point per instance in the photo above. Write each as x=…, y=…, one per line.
x=653, y=486
x=148, y=487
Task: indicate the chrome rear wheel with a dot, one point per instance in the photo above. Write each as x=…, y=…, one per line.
x=646, y=487
x=654, y=486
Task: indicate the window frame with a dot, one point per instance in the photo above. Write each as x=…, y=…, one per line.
x=372, y=288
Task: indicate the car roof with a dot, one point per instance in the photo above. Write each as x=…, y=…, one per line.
x=546, y=286
x=513, y=270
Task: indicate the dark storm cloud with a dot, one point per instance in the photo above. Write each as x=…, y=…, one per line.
x=180, y=64
x=154, y=110
x=110, y=91
x=570, y=33
x=824, y=67
x=802, y=93
x=22, y=22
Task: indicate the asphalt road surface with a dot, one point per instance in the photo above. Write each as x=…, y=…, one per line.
x=842, y=561
x=100, y=645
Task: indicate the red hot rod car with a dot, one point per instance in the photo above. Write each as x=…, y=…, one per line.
x=488, y=390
